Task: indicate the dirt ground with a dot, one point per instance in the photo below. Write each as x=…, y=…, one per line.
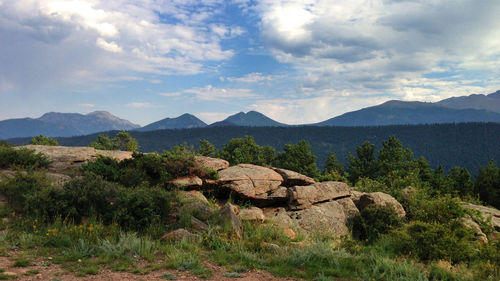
x=50, y=271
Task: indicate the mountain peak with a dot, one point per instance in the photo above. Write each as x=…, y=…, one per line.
x=183, y=121
x=495, y=95
x=251, y=119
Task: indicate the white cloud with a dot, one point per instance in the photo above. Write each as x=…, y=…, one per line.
x=375, y=46
x=253, y=77
x=87, y=105
x=140, y=105
x=210, y=93
x=108, y=46
x=73, y=41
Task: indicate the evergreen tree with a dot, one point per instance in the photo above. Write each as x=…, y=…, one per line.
x=206, y=148
x=364, y=165
x=333, y=165
x=122, y=141
x=246, y=150
x=488, y=184
x=461, y=182
x=299, y=158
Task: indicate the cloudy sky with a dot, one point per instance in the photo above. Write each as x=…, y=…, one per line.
x=297, y=61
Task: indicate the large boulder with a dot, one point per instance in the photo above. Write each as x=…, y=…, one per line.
x=468, y=222
x=181, y=234
x=211, y=163
x=487, y=213
x=193, y=196
x=350, y=209
x=291, y=178
x=250, y=181
x=229, y=218
x=192, y=182
x=67, y=158
x=327, y=217
x=252, y=214
x=380, y=199
x=303, y=197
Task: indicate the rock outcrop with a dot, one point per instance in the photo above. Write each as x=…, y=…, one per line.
x=211, y=163
x=250, y=181
x=487, y=213
x=229, y=218
x=287, y=198
x=252, y=214
x=187, y=182
x=327, y=217
x=380, y=199
x=67, y=158
x=303, y=197
x=291, y=178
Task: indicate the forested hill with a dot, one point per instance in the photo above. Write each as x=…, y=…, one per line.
x=469, y=145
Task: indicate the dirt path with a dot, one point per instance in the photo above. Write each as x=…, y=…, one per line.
x=48, y=272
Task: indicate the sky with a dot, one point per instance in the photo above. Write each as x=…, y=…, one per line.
x=296, y=61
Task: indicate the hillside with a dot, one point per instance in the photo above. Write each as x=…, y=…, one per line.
x=54, y=124
x=468, y=145
x=489, y=102
x=402, y=113
x=184, y=121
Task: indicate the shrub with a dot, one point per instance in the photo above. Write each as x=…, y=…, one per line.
x=433, y=241
x=17, y=188
x=150, y=168
x=140, y=207
x=438, y=210
x=374, y=221
x=43, y=140
x=90, y=196
x=23, y=158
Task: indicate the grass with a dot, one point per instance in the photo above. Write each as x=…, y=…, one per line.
x=168, y=276
x=21, y=262
x=87, y=250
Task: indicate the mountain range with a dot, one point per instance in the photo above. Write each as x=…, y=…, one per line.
x=472, y=108
x=54, y=124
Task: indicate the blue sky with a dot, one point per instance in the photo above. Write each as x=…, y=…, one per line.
x=297, y=61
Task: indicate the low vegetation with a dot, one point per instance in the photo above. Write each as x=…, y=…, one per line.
x=43, y=140
x=114, y=214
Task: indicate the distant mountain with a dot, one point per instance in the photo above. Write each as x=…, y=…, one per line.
x=489, y=102
x=401, y=112
x=249, y=119
x=184, y=121
x=54, y=124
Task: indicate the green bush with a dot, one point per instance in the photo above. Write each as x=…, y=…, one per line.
x=43, y=140
x=90, y=196
x=150, y=168
x=433, y=241
x=374, y=221
x=22, y=158
x=438, y=210
x=139, y=207
x=19, y=187
x=93, y=197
